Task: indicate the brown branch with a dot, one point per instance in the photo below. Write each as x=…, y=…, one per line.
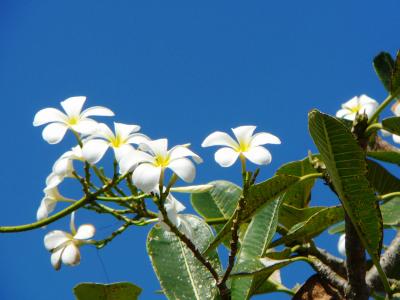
x=389, y=261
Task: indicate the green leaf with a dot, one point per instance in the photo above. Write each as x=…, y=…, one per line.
x=290, y=215
x=386, y=156
x=395, y=80
x=259, y=195
x=267, y=267
x=381, y=179
x=390, y=215
x=114, y=291
x=313, y=226
x=392, y=125
x=384, y=65
x=180, y=274
x=300, y=194
x=255, y=243
x=219, y=202
x=346, y=166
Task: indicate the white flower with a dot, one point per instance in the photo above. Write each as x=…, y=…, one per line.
x=73, y=119
x=342, y=245
x=49, y=201
x=64, y=247
x=103, y=138
x=63, y=167
x=357, y=105
x=148, y=167
x=247, y=145
x=173, y=208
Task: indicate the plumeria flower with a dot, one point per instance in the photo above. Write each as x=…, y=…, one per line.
x=64, y=247
x=49, y=201
x=173, y=208
x=149, y=166
x=357, y=105
x=73, y=118
x=342, y=245
x=246, y=145
x=63, y=167
x=103, y=138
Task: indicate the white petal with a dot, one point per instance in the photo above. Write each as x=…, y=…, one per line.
x=94, y=150
x=182, y=151
x=63, y=167
x=73, y=105
x=146, y=177
x=86, y=126
x=137, y=138
x=226, y=157
x=263, y=138
x=353, y=102
x=85, y=231
x=184, y=168
x=103, y=131
x=124, y=130
x=55, y=259
x=396, y=108
x=48, y=115
x=341, y=113
x=53, y=180
x=350, y=116
x=385, y=133
x=364, y=100
x=192, y=189
x=174, y=204
x=132, y=158
x=369, y=109
x=219, y=138
x=71, y=255
x=243, y=134
x=97, y=111
x=54, y=132
x=47, y=206
x=55, y=239
x=342, y=245
x=122, y=151
x=396, y=138
x=258, y=155
x=157, y=147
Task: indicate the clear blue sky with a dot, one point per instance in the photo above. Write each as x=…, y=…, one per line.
x=181, y=70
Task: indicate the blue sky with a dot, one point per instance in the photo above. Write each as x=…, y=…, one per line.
x=181, y=70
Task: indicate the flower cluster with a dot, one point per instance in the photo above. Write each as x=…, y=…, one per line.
x=143, y=160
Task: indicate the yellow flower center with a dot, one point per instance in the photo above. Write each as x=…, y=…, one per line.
x=356, y=109
x=117, y=142
x=73, y=121
x=161, y=161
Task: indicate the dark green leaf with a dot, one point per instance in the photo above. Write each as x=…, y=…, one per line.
x=259, y=195
x=382, y=180
x=300, y=194
x=114, y=291
x=345, y=163
x=392, y=125
x=395, y=80
x=254, y=244
x=313, y=226
x=386, y=156
x=384, y=65
x=180, y=274
x=289, y=215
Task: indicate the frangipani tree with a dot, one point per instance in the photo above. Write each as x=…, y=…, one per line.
x=263, y=224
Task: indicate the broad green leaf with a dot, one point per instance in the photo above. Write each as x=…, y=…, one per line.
x=300, y=194
x=180, y=274
x=290, y=215
x=272, y=286
x=392, y=125
x=313, y=226
x=381, y=179
x=395, y=81
x=114, y=291
x=384, y=65
x=259, y=195
x=219, y=202
x=346, y=166
x=267, y=267
x=254, y=244
x=386, y=156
